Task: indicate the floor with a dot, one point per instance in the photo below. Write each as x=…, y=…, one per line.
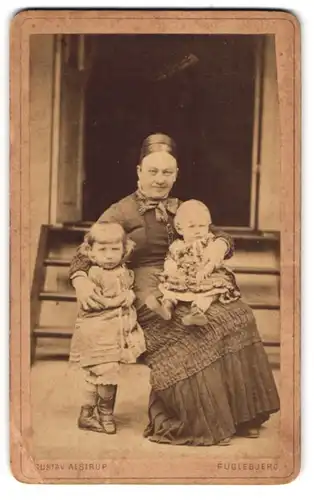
x=55, y=407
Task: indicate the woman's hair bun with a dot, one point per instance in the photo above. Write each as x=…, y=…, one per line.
x=156, y=143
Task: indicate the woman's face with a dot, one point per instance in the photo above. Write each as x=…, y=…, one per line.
x=157, y=174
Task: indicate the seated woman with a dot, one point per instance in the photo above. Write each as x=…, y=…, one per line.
x=208, y=382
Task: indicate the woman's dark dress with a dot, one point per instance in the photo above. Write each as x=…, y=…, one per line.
x=206, y=381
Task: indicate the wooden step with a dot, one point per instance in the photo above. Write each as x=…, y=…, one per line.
x=52, y=348
x=65, y=333
x=56, y=314
x=53, y=332
x=256, y=288
x=237, y=270
x=237, y=233
x=251, y=235
x=58, y=296
x=62, y=316
x=255, y=284
x=255, y=253
x=271, y=343
x=70, y=297
x=257, y=270
x=57, y=262
x=268, y=324
x=243, y=238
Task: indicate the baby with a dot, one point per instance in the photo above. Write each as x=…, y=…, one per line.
x=189, y=274
x=104, y=339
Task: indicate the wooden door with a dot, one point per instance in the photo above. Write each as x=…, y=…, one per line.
x=71, y=73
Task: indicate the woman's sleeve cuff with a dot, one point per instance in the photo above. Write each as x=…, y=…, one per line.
x=229, y=249
x=78, y=274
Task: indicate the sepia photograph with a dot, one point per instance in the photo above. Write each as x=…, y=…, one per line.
x=154, y=219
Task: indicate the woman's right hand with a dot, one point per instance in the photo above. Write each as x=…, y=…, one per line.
x=129, y=298
x=204, y=272
x=86, y=294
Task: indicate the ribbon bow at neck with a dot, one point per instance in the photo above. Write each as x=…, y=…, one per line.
x=161, y=207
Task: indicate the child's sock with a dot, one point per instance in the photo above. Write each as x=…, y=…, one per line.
x=106, y=391
x=89, y=394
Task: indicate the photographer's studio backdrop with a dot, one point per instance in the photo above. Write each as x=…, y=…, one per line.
x=94, y=98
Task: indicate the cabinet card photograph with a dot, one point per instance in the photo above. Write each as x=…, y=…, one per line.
x=155, y=220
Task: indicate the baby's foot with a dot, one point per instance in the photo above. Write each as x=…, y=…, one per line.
x=195, y=318
x=163, y=309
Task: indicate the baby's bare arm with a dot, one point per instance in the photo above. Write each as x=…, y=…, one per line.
x=170, y=266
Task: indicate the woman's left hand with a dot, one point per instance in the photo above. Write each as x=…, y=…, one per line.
x=217, y=253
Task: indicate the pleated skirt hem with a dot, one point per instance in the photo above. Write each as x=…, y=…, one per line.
x=236, y=391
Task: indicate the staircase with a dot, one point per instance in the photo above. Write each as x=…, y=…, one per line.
x=54, y=307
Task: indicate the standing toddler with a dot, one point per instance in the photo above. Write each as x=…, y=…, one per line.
x=104, y=339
